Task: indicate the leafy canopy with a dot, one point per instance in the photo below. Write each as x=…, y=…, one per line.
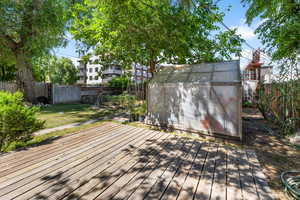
x=56, y=70
x=280, y=30
x=156, y=31
x=32, y=26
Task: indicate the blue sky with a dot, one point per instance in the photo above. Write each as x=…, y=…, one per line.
x=235, y=18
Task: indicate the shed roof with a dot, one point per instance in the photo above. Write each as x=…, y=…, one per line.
x=228, y=71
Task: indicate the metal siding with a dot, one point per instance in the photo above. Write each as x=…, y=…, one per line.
x=199, y=106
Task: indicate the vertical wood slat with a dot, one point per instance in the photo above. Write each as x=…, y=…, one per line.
x=206, y=180
x=247, y=181
x=219, y=185
x=189, y=188
x=262, y=187
x=155, y=184
x=181, y=174
x=233, y=184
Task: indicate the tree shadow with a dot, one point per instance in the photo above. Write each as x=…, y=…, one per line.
x=158, y=170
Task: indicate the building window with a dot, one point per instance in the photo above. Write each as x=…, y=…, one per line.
x=96, y=69
x=90, y=70
x=91, y=78
x=96, y=78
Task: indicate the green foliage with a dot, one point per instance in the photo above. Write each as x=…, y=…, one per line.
x=280, y=27
x=280, y=104
x=140, y=109
x=7, y=71
x=129, y=102
x=28, y=29
x=57, y=70
x=62, y=71
x=121, y=82
x=156, y=31
x=248, y=104
x=124, y=100
x=34, y=26
x=17, y=121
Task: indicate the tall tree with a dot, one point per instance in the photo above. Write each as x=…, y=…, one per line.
x=156, y=31
x=56, y=70
x=27, y=29
x=7, y=68
x=62, y=71
x=280, y=27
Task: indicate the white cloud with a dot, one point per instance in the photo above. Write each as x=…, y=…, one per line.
x=245, y=32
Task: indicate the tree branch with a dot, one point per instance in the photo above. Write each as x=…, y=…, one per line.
x=9, y=41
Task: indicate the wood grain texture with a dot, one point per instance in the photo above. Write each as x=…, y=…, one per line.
x=115, y=161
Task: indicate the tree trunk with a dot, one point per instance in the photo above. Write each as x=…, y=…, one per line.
x=152, y=67
x=25, y=80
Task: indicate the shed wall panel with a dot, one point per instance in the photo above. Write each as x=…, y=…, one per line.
x=200, y=101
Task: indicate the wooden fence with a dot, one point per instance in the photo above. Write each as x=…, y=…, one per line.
x=41, y=89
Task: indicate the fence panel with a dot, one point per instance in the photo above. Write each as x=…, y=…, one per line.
x=66, y=94
x=8, y=86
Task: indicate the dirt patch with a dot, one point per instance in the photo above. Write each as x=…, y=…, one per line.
x=274, y=152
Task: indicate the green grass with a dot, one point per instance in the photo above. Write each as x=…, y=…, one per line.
x=62, y=114
x=47, y=138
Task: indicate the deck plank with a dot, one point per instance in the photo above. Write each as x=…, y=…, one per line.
x=55, y=181
x=234, y=188
x=189, y=187
x=45, y=164
x=121, y=158
x=141, y=159
x=259, y=177
x=115, y=161
x=181, y=174
x=218, y=191
x=154, y=186
x=206, y=180
x=153, y=170
x=61, y=149
x=246, y=178
x=140, y=168
x=20, y=155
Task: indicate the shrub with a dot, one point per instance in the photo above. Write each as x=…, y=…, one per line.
x=17, y=121
x=121, y=82
x=124, y=100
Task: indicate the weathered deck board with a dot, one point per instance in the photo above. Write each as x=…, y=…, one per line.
x=218, y=191
x=72, y=138
x=247, y=180
x=61, y=157
x=143, y=165
x=86, y=164
x=181, y=174
x=206, y=180
x=115, y=161
x=154, y=183
x=190, y=186
x=234, y=190
x=139, y=181
x=260, y=179
x=107, y=174
x=22, y=167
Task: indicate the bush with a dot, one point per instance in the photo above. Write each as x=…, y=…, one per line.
x=124, y=100
x=17, y=121
x=248, y=104
x=121, y=82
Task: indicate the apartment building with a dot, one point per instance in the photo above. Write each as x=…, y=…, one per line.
x=93, y=74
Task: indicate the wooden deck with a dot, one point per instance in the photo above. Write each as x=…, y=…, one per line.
x=116, y=161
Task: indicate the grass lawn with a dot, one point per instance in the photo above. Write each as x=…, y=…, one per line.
x=62, y=114
x=40, y=139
